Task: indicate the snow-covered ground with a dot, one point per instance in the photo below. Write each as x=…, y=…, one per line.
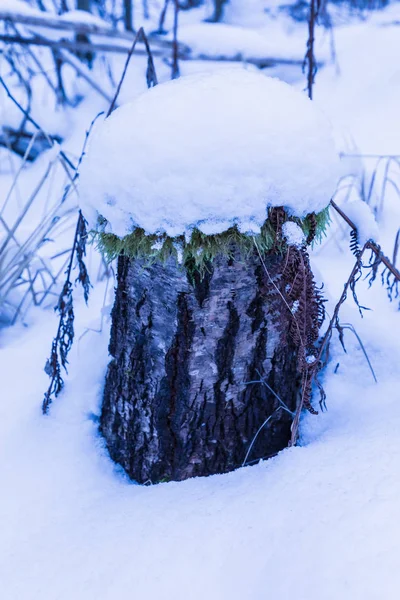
x=318, y=522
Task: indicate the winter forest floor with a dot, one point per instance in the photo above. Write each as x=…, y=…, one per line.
x=317, y=522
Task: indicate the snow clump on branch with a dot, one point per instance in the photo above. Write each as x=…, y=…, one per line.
x=209, y=151
x=293, y=234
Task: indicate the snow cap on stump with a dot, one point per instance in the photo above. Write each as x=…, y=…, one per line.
x=209, y=151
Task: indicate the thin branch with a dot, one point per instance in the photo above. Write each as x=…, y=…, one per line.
x=309, y=59
x=370, y=244
x=175, y=46
x=37, y=62
x=396, y=247
x=315, y=367
x=161, y=30
x=140, y=36
x=351, y=328
x=355, y=155
x=79, y=68
x=34, y=123
x=253, y=441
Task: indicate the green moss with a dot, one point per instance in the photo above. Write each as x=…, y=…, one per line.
x=201, y=249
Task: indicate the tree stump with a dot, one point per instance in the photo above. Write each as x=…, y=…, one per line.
x=208, y=356
x=198, y=364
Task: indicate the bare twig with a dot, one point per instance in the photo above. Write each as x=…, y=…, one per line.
x=370, y=244
x=316, y=366
x=34, y=123
x=355, y=155
x=151, y=72
x=309, y=60
x=175, y=46
x=396, y=247
x=350, y=327
x=261, y=62
x=37, y=62
x=82, y=71
x=334, y=322
x=253, y=441
x=161, y=30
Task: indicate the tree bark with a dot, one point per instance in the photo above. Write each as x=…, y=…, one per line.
x=197, y=366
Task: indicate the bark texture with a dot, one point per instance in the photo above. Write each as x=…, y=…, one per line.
x=178, y=401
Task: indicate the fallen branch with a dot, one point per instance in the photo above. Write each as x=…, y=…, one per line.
x=72, y=45
x=184, y=53
x=258, y=61
x=62, y=24
x=26, y=144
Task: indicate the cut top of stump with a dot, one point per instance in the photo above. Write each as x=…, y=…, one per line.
x=209, y=151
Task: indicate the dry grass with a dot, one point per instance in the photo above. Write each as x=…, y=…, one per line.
x=30, y=262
